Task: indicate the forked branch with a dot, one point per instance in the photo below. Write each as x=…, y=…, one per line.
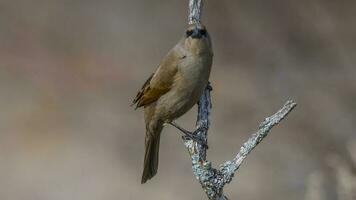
x=213, y=180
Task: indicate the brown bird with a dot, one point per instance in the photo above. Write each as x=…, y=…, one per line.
x=173, y=89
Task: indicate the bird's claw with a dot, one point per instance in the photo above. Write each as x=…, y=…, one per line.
x=195, y=137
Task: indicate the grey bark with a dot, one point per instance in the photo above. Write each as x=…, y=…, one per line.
x=195, y=10
x=213, y=180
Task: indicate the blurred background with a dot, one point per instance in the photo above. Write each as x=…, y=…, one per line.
x=70, y=68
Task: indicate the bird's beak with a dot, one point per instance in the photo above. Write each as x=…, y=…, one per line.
x=196, y=33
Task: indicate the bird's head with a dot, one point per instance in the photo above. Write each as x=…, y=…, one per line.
x=196, y=31
x=197, y=38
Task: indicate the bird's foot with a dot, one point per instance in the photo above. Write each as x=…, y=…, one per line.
x=191, y=135
x=196, y=138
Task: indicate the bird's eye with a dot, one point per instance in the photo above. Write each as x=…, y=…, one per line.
x=203, y=32
x=188, y=33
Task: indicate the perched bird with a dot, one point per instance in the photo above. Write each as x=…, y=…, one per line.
x=173, y=89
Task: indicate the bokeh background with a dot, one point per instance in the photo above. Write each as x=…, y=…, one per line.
x=70, y=68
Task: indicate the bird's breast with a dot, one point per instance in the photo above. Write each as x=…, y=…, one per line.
x=194, y=71
x=189, y=84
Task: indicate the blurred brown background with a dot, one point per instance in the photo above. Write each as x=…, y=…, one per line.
x=70, y=68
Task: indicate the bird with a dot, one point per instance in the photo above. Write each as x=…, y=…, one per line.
x=173, y=89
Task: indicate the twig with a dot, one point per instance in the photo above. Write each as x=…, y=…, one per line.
x=195, y=10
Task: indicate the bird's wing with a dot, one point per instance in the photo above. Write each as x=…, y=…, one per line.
x=159, y=82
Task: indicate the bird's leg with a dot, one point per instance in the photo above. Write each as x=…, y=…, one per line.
x=189, y=134
x=183, y=130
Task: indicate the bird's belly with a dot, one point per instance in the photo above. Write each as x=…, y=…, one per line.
x=176, y=103
x=189, y=86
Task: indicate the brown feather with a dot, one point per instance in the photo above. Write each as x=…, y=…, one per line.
x=141, y=92
x=158, y=83
x=150, y=165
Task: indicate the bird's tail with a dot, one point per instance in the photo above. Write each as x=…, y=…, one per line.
x=150, y=165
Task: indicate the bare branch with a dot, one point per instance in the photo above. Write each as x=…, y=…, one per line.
x=229, y=167
x=213, y=180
